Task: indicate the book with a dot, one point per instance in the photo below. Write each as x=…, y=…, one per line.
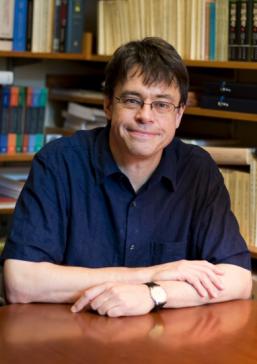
x=6, y=77
x=57, y=26
x=253, y=31
x=6, y=24
x=244, y=30
x=20, y=119
x=34, y=115
x=29, y=22
x=39, y=131
x=233, y=15
x=20, y=25
x=13, y=119
x=10, y=187
x=75, y=26
x=27, y=119
x=4, y=118
x=6, y=203
x=42, y=26
x=212, y=40
x=221, y=44
x=63, y=30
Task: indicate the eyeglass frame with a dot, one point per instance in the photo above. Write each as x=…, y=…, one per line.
x=141, y=103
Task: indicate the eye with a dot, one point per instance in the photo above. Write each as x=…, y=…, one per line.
x=130, y=101
x=162, y=105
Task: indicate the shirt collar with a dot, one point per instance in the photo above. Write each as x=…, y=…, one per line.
x=104, y=163
x=106, y=166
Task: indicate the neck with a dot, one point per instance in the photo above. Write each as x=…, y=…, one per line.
x=138, y=170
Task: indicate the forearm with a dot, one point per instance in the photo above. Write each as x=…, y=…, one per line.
x=47, y=282
x=236, y=281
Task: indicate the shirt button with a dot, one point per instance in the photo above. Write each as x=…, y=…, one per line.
x=134, y=204
x=132, y=247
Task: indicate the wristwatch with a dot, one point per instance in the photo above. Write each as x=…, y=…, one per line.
x=158, y=295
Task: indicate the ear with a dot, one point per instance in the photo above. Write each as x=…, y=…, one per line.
x=108, y=108
x=179, y=115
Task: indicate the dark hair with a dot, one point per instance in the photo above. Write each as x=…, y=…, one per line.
x=152, y=57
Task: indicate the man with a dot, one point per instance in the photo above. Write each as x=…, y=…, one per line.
x=128, y=218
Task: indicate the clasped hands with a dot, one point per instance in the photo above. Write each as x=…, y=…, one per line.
x=132, y=298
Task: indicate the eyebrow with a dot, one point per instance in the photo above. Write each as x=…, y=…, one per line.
x=135, y=93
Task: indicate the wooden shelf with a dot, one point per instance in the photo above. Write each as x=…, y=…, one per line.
x=87, y=56
x=40, y=55
x=195, y=63
x=71, y=98
x=6, y=211
x=221, y=114
x=222, y=64
x=17, y=157
x=253, y=251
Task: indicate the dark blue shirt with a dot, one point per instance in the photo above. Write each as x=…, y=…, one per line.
x=77, y=208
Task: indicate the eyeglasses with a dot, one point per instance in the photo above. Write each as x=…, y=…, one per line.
x=133, y=103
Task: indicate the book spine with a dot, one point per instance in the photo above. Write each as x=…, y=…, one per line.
x=63, y=31
x=232, y=30
x=244, y=29
x=28, y=116
x=212, y=54
x=6, y=77
x=75, y=26
x=34, y=118
x=20, y=25
x=6, y=25
x=29, y=25
x=20, y=119
x=13, y=115
x=57, y=26
x=4, y=118
x=254, y=31
x=39, y=142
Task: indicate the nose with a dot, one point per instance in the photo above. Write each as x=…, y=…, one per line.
x=145, y=113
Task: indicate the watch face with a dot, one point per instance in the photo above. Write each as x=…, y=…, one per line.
x=159, y=295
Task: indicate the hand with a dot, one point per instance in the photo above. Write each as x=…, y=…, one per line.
x=114, y=300
x=202, y=275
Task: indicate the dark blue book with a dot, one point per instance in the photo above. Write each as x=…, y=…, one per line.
x=75, y=26
x=57, y=26
x=4, y=122
x=20, y=25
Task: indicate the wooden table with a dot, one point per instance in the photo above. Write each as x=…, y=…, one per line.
x=50, y=333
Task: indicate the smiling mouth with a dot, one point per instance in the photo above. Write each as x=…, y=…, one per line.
x=142, y=133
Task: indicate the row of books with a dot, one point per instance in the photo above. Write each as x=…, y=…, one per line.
x=239, y=169
x=22, y=116
x=11, y=183
x=198, y=29
x=242, y=30
x=42, y=26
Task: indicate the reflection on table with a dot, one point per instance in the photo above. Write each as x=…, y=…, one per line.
x=50, y=333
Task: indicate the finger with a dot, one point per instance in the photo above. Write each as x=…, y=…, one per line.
x=99, y=300
x=212, y=290
x=107, y=305
x=81, y=303
x=211, y=266
x=87, y=297
x=197, y=285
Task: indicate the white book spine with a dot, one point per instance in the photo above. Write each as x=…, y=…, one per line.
x=6, y=77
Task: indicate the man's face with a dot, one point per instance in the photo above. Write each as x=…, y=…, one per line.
x=143, y=132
